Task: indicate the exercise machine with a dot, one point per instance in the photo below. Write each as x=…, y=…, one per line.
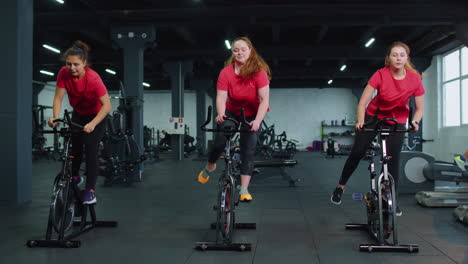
x=450, y=186
x=66, y=201
x=381, y=200
x=227, y=200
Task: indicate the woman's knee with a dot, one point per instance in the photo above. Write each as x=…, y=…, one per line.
x=247, y=167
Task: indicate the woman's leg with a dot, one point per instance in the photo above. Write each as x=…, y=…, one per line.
x=394, y=144
x=91, y=142
x=248, y=144
x=361, y=144
x=219, y=145
x=77, y=145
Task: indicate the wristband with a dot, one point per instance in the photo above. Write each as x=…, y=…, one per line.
x=416, y=122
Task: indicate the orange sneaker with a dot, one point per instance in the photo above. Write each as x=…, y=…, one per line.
x=204, y=176
x=246, y=197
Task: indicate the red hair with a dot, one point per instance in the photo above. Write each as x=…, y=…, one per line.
x=254, y=63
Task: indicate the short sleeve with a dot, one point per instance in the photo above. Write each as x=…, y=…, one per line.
x=261, y=79
x=376, y=80
x=420, y=90
x=99, y=86
x=61, y=78
x=222, y=81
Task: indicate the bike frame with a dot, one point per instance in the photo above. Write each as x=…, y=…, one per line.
x=65, y=176
x=225, y=182
x=387, y=181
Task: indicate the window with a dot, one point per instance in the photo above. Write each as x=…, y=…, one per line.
x=455, y=87
x=464, y=94
x=465, y=61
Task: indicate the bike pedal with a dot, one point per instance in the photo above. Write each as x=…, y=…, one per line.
x=357, y=196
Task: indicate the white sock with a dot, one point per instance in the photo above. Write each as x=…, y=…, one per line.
x=244, y=190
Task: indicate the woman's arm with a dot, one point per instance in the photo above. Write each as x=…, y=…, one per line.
x=419, y=102
x=221, y=98
x=105, y=109
x=264, y=97
x=56, y=105
x=361, y=108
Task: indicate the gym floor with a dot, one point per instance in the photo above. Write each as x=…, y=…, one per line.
x=161, y=218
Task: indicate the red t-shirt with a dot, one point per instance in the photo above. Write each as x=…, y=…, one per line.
x=242, y=92
x=83, y=94
x=393, y=95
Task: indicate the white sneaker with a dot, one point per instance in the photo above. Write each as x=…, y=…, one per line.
x=460, y=163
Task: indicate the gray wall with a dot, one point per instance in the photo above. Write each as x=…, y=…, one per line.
x=299, y=112
x=45, y=97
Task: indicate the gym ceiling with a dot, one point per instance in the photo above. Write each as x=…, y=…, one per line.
x=305, y=42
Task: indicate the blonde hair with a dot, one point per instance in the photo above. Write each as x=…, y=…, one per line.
x=254, y=63
x=408, y=65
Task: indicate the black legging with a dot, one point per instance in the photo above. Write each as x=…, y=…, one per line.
x=90, y=142
x=362, y=142
x=248, y=142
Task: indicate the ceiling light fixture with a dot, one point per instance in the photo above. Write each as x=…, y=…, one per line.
x=330, y=81
x=47, y=72
x=228, y=45
x=370, y=42
x=343, y=67
x=110, y=71
x=51, y=48
x=60, y=1
x=146, y=84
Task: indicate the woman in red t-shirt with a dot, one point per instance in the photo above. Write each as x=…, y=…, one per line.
x=91, y=104
x=243, y=82
x=395, y=84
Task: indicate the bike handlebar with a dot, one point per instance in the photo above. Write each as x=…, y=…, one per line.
x=380, y=122
x=237, y=124
x=66, y=120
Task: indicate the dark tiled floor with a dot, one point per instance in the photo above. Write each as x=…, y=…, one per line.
x=162, y=217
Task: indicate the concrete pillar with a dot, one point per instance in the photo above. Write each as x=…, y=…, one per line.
x=15, y=110
x=132, y=40
x=178, y=71
x=201, y=86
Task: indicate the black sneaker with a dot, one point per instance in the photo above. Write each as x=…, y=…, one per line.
x=89, y=197
x=336, y=196
x=398, y=212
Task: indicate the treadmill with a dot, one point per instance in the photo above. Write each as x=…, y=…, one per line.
x=450, y=186
x=461, y=213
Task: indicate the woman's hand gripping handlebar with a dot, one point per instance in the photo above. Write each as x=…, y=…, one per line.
x=67, y=121
x=386, y=124
x=242, y=126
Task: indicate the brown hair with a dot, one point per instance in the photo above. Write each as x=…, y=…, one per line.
x=254, y=63
x=79, y=49
x=408, y=65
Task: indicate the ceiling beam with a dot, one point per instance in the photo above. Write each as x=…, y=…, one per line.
x=185, y=34
x=351, y=14
x=276, y=30
x=321, y=34
x=432, y=37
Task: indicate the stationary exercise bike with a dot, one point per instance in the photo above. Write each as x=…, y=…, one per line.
x=227, y=199
x=66, y=200
x=381, y=199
